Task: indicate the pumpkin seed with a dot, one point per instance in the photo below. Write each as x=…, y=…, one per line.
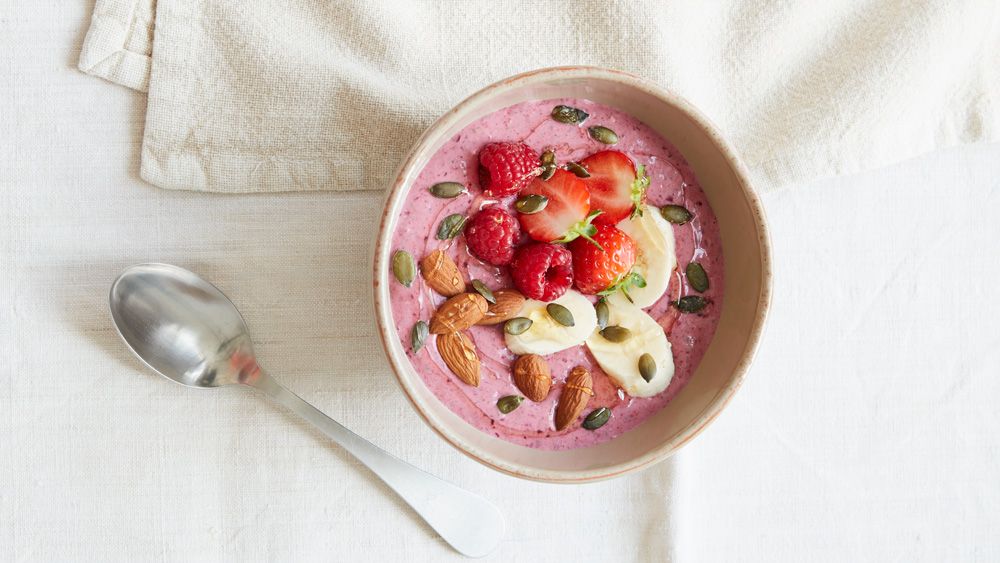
x=577, y=169
x=569, y=114
x=547, y=171
x=447, y=190
x=602, y=134
x=548, y=157
x=615, y=333
x=697, y=278
x=676, y=214
x=597, y=418
x=691, y=303
x=647, y=367
x=560, y=314
x=450, y=226
x=418, y=336
x=517, y=325
x=403, y=267
x=481, y=288
x=602, y=313
x=530, y=204
x=509, y=403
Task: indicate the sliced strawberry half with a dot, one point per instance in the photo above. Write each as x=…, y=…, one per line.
x=566, y=214
x=616, y=187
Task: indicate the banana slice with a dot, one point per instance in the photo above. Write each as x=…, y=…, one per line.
x=546, y=336
x=620, y=360
x=657, y=256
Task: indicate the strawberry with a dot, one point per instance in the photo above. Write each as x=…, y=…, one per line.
x=566, y=214
x=616, y=187
x=606, y=266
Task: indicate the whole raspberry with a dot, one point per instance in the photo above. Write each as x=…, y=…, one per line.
x=491, y=234
x=505, y=168
x=542, y=271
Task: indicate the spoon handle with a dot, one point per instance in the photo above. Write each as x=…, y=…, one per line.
x=468, y=522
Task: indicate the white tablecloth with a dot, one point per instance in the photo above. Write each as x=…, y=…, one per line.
x=867, y=429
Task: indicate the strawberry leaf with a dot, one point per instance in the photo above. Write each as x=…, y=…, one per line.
x=638, y=193
x=584, y=229
x=624, y=283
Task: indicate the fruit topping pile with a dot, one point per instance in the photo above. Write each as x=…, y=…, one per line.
x=586, y=255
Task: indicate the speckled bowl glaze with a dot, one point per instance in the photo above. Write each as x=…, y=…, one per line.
x=747, y=273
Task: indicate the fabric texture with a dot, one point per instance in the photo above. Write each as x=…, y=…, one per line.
x=275, y=95
x=119, y=43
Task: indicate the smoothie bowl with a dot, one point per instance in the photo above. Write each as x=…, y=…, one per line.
x=571, y=275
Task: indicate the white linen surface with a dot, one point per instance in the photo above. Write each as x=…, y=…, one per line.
x=865, y=432
x=276, y=95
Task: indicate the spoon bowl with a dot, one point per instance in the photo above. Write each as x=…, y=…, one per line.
x=181, y=326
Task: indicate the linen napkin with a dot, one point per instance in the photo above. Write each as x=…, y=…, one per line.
x=275, y=95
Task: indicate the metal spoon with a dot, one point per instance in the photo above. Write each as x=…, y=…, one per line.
x=188, y=331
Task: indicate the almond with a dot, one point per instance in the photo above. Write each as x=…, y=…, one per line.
x=508, y=305
x=458, y=313
x=460, y=356
x=575, y=394
x=532, y=377
x=441, y=274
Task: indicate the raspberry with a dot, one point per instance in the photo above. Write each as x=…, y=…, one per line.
x=505, y=168
x=542, y=271
x=490, y=235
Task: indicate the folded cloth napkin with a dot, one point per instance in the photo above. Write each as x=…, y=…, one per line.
x=274, y=95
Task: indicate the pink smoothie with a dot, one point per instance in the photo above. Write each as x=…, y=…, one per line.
x=672, y=181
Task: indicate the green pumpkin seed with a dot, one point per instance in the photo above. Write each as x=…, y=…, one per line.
x=517, y=325
x=615, y=333
x=418, y=336
x=577, y=169
x=647, y=367
x=569, y=114
x=560, y=314
x=602, y=134
x=597, y=418
x=530, y=204
x=450, y=226
x=403, y=267
x=481, y=288
x=691, y=303
x=547, y=171
x=602, y=313
x=447, y=190
x=509, y=403
x=696, y=276
x=676, y=214
x=548, y=157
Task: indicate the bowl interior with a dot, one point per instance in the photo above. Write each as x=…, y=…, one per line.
x=747, y=275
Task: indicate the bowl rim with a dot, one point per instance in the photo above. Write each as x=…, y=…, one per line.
x=723, y=398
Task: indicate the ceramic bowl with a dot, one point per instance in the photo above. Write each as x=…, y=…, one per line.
x=747, y=273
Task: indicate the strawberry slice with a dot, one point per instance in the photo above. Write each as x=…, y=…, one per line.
x=566, y=214
x=616, y=187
